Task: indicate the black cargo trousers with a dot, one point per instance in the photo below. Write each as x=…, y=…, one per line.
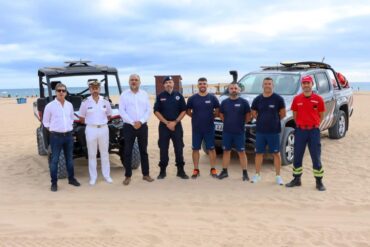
x=165, y=135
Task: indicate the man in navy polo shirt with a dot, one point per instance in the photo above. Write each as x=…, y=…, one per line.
x=170, y=109
x=268, y=108
x=234, y=112
x=202, y=108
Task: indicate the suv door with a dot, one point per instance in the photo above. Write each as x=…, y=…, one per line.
x=325, y=90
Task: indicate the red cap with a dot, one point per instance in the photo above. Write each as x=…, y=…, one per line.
x=307, y=78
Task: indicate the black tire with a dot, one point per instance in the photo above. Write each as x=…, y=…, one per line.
x=62, y=168
x=42, y=150
x=217, y=148
x=339, y=129
x=136, y=159
x=287, y=146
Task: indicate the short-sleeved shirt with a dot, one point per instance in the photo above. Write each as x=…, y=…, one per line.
x=95, y=113
x=234, y=111
x=202, y=112
x=268, y=108
x=170, y=105
x=308, y=109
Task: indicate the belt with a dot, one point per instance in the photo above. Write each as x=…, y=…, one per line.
x=97, y=125
x=68, y=133
x=307, y=127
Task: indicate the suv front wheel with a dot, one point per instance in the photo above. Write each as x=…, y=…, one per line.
x=339, y=129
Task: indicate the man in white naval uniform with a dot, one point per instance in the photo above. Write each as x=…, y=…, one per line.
x=95, y=112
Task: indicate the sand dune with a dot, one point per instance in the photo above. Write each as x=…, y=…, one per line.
x=172, y=212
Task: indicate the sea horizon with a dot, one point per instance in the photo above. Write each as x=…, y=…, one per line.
x=150, y=89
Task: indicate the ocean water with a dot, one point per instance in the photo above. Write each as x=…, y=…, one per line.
x=150, y=89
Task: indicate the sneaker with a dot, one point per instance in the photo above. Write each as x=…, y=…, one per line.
x=256, y=178
x=92, y=182
x=213, y=172
x=279, y=180
x=223, y=174
x=109, y=180
x=195, y=174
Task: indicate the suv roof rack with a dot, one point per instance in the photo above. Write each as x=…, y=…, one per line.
x=77, y=63
x=307, y=64
x=289, y=66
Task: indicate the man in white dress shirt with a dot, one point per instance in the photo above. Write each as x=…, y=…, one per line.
x=58, y=119
x=95, y=112
x=135, y=110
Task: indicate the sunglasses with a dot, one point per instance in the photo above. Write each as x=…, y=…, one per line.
x=61, y=90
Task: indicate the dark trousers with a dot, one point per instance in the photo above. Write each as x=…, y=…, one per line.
x=310, y=137
x=165, y=135
x=130, y=134
x=57, y=143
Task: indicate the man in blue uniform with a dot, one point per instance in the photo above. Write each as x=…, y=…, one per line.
x=268, y=108
x=202, y=108
x=170, y=109
x=234, y=112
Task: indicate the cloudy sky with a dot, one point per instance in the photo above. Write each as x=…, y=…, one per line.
x=191, y=38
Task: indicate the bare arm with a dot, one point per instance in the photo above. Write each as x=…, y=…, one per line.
x=181, y=116
x=254, y=114
x=160, y=117
x=189, y=112
x=248, y=117
x=321, y=116
x=282, y=113
x=222, y=116
x=216, y=112
x=295, y=116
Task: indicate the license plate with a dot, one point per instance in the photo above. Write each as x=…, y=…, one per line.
x=219, y=127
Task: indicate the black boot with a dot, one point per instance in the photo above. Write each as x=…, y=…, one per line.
x=319, y=185
x=54, y=187
x=223, y=174
x=181, y=173
x=295, y=182
x=162, y=173
x=245, y=175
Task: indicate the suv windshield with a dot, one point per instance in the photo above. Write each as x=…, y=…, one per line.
x=285, y=84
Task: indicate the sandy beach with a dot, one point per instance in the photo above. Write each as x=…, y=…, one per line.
x=174, y=212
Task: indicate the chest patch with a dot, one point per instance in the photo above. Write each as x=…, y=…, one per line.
x=271, y=106
x=177, y=97
x=207, y=102
x=237, y=105
x=162, y=99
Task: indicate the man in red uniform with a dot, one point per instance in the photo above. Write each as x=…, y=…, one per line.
x=308, y=111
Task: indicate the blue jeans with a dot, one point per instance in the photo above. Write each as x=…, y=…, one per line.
x=57, y=143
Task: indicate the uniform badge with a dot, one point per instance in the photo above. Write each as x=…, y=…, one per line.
x=162, y=99
x=177, y=97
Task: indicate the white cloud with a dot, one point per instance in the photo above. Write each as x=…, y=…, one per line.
x=19, y=52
